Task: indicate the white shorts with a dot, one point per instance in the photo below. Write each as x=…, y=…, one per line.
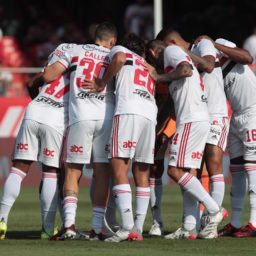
x=242, y=136
x=88, y=139
x=133, y=136
x=186, y=149
x=218, y=132
x=38, y=142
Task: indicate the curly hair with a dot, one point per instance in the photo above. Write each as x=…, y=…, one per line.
x=134, y=43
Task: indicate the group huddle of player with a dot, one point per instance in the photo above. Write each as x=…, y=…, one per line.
x=123, y=106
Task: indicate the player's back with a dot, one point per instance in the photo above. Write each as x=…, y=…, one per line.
x=91, y=63
x=135, y=88
x=214, y=86
x=187, y=93
x=50, y=107
x=239, y=82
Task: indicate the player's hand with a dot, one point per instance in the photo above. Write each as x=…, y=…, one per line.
x=92, y=85
x=151, y=70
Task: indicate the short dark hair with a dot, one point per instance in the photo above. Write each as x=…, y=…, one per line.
x=152, y=45
x=164, y=32
x=105, y=30
x=134, y=43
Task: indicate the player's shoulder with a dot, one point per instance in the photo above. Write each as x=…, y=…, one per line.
x=204, y=42
x=64, y=48
x=120, y=48
x=225, y=42
x=174, y=50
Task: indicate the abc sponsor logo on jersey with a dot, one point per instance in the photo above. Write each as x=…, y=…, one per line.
x=48, y=152
x=129, y=144
x=22, y=146
x=196, y=155
x=76, y=149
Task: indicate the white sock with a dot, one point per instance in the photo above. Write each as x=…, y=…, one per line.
x=69, y=209
x=238, y=191
x=218, y=188
x=194, y=187
x=142, y=202
x=98, y=218
x=110, y=214
x=11, y=191
x=156, y=191
x=251, y=171
x=49, y=200
x=190, y=211
x=123, y=198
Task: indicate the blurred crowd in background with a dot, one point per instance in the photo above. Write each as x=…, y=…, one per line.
x=31, y=30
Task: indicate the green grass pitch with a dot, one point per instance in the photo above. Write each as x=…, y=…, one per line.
x=24, y=230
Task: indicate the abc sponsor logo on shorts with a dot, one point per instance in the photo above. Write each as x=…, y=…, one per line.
x=22, y=146
x=49, y=153
x=76, y=149
x=129, y=144
x=107, y=146
x=197, y=155
x=251, y=148
x=214, y=131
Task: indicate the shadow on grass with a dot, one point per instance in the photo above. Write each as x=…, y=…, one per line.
x=31, y=234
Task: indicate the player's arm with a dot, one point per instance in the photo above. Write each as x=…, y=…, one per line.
x=53, y=71
x=236, y=54
x=115, y=65
x=49, y=74
x=205, y=63
x=34, y=84
x=183, y=70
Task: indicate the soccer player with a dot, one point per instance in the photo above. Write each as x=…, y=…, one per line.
x=204, y=54
x=191, y=133
x=165, y=128
x=240, y=88
x=90, y=122
x=40, y=139
x=133, y=125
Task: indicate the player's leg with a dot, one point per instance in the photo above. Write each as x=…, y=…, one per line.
x=141, y=178
x=156, y=190
x=214, y=148
x=186, y=152
x=144, y=156
x=122, y=149
x=111, y=210
x=247, y=133
x=79, y=146
x=25, y=152
x=49, y=155
x=101, y=173
x=239, y=182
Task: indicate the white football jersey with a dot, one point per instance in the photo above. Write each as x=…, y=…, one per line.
x=188, y=93
x=214, y=85
x=135, y=88
x=50, y=107
x=239, y=83
x=90, y=61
